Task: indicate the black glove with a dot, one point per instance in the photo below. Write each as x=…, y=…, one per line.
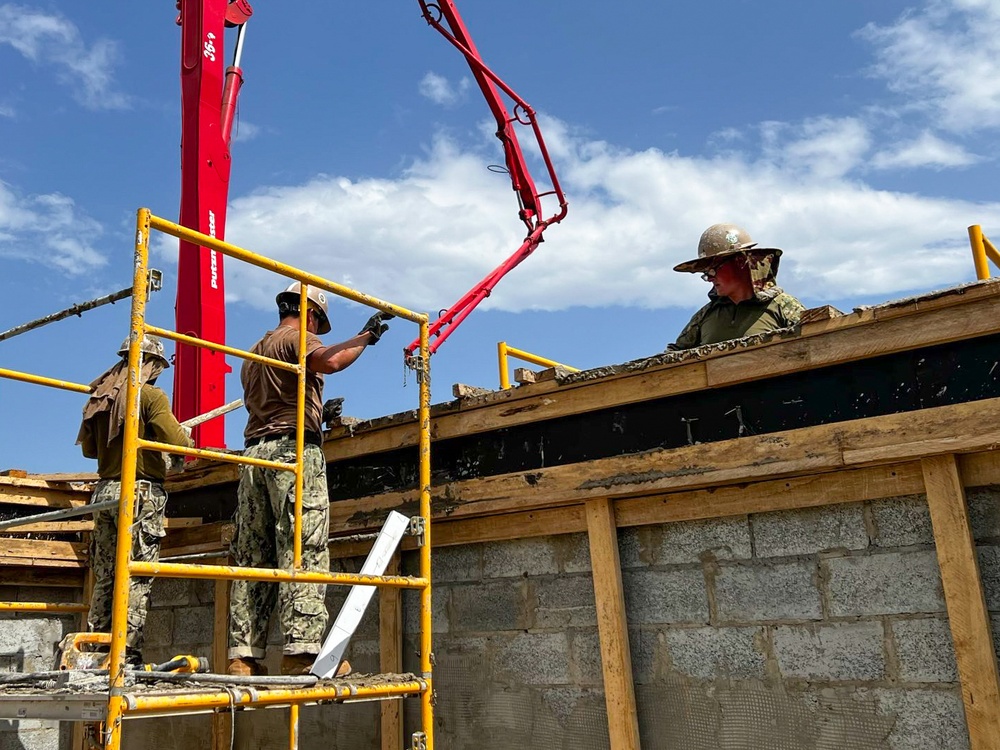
x=332, y=409
x=376, y=327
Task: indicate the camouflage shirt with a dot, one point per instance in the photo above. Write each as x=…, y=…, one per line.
x=722, y=319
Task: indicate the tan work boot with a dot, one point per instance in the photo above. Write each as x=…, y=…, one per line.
x=246, y=666
x=301, y=664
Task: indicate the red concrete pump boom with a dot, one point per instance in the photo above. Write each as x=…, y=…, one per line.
x=437, y=14
x=209, y=92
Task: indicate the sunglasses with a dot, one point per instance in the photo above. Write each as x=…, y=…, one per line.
x=709, y=273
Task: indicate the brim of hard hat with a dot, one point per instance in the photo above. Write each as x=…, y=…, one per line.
x=703, y=264
x=324, y=324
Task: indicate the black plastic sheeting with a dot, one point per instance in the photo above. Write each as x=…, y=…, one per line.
x=952, y=373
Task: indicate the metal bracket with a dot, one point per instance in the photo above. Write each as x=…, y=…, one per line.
x=416, y=528
x=687, y=424
x=744, y=430
x=419, y=741
x=415, y=362
x=155, y=280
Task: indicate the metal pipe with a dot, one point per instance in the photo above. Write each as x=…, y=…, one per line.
x=197, y=238
x=54, y=515
x=991, y=251
x=232, y=458
x=205, y=344
x=237, y=573
x=42, y=607
x=126, y=507
x=426, y=656
x=25, y=377
x=139, y=703
x=504, y=371
x=979, y=252
x=212, y=414
x=300, y=434
x=77, y=310
x=535, y=359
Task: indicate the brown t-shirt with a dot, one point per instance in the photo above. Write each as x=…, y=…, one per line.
x=269, y=393
x=156, y=422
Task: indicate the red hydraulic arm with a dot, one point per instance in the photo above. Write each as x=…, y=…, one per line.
x=437, y=13
x=209, y=92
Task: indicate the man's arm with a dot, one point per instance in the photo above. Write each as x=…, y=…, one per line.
x=160, y=421
x=335, y=358
x=690, y=336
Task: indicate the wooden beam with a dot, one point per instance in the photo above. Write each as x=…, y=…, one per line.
x=390, y=633
x=44, y=576
x=43, y=550
x=963, y=590
x=802, y=452
x=612, y=627
x=222, y=723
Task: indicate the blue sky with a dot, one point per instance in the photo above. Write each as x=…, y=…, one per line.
x=857, y=136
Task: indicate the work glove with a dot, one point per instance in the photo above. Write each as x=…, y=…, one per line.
x=332, y=410
x=376, y=326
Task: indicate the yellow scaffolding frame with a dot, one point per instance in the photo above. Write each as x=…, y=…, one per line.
x=982, y=249
x=504, y=352
x=120, y=704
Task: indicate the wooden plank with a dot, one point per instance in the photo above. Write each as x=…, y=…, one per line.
x=612, y=627
x=523, y=376
x=51, y=527
x=390, y=618
x=963, y=591
x=44, y=498
x=222, y=722
x=56, y=577
x=818, y=314
x=42, y=550
x=34, y=562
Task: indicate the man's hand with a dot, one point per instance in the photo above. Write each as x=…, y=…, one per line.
x=376, y=326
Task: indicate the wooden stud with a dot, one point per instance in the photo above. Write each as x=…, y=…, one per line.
x=612, y=627
x=963, y=591
x=222, y=723
x=390, y=630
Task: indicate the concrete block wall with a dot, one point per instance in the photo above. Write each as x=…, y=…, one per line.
x=28, y=643
x=820, y=628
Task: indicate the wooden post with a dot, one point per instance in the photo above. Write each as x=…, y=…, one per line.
x=390, y=628
x=963, y=591
x=222, y=723
x=616, y=660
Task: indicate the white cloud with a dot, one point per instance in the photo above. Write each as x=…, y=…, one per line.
x=441, y=91
x=53, y=40
x=7, y=111
x=50, y=230
x=945, y=59
x=426, y=237
x=927, y=150
x=824, y=147
x=245, y=131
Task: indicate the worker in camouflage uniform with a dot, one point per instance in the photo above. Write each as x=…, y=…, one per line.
x=266, y=497
x=745, y=298
x=101, y=437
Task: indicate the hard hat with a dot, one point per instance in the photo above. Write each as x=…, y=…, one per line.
x=718, y=241
x=151, y=346
x=290, y=299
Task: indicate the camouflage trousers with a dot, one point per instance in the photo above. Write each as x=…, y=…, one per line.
x=146, y=535
x=265, y=529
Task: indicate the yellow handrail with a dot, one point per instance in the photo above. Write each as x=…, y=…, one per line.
x=982, y=249
x=504, y=352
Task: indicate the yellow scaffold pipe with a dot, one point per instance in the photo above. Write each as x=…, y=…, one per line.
x=232, y=458
x=982, y=251
x=42, y=607
x=25, y=377
x=504, y=352
x=426, y=645
x=222, y=348
x=237, y=573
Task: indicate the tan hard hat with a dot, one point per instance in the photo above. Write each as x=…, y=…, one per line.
x=151, y=346
x=290, y=296
x=720, y=240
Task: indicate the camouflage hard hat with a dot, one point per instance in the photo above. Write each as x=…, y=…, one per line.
x=151, y=346
x=720, y=240
x=290, y=298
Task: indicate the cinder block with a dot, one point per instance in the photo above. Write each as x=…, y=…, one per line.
x=804, y=532
x=39, y=594
x=489, y=607
x=585, y=650
x=193, y=625
x=564, y=602
x=984, y=511
x=834, y=652
x=665, y=596
x=440, y=600
x=925, y=719
x=170, y=592
x=159, y=627
x=634, y=547
x=534, y=659
x=884, y=584
x=449, y=564
x=902, y=521
x=767, y=591
x=203, y=592
x=572, y=553
x=718, y=653
x=924, y=649
x=702, y=541
x=519, y=557
x=989, y=572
